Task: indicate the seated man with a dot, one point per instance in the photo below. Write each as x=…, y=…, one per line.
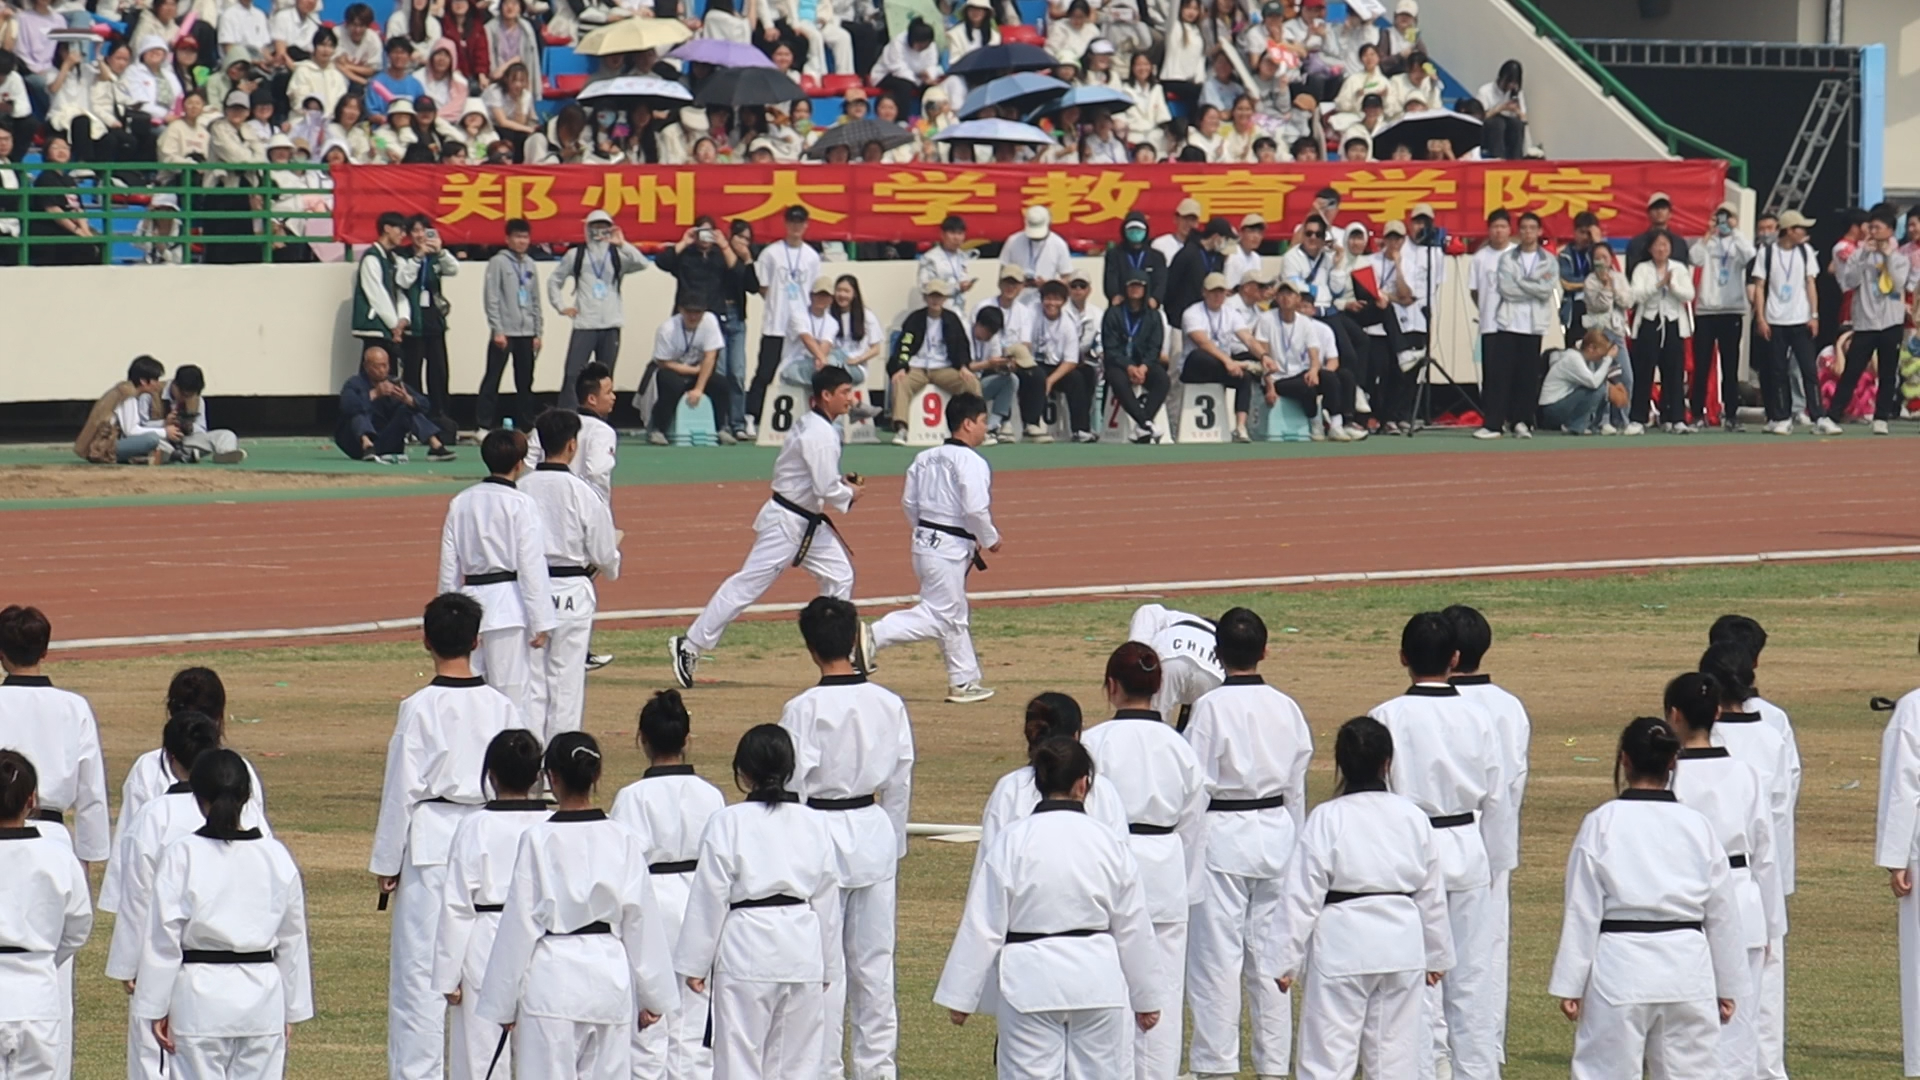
x=115, y=430
x=684, y=352
x=186, y=414
x=378, y=412
x=1132, y=334
x=934, y=349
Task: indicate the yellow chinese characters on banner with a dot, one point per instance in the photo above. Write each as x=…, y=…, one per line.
x=494, y=197
x=785, y=190
x=1083, y=199
x=644, y=197
x=930, y=197
x=1239, y=192
x=1568, y=190
x=1385, y=195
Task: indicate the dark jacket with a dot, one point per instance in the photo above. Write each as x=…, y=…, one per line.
x=356, y=400
x=705, y=276
x=1187, y=276
x=1131, y=345
x=1637, y=248
x=914, y=331
x=1122, y=257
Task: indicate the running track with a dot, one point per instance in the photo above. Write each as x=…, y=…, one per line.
x=119, y=571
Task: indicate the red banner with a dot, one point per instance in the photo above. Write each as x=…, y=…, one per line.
x=908, y=202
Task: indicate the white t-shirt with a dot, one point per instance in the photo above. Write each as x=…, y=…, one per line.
x=1288, y=341
x=1485, y=283
x=1238, y=263
x=804, y=321
x=673, y=341
x=786, y=273
x=1786, y=282
x=1221, y=327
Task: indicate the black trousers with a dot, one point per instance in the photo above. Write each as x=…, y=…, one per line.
x=1791, y=344
x=1335, y=392
x=1389, y=389
x=670, y=386
x=1503, y=137
x=424, y=367
x=1886, y=401
x=1510, y=368
x=1033, y=395
x=520, y=350
x=1203, y=368
x=764, y=369
x=1717, y=334
x=135, y=140
x=1659, y=343
x=1142, y=404
x=1348, y=336
x=583, y=348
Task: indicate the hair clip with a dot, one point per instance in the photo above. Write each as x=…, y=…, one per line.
x=588, y=750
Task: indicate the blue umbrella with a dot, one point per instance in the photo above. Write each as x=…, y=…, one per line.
x=995, y=131
x=999, y=59
x=1016, y=92
x=1084, y=98
x=721, y=53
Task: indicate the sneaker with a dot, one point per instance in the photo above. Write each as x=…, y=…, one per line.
x=1731, y=426
x=1034, y=433
x=1826, y=426
x=1409, y=359
x=1608, y=429
x=1801, y=419
x=235, y=457
x=386, y=459
x=1634, y=428
x=1522, y=431
x=685, y=658
x=1356, y=433
x=1682, y=429
x=1240, y=435
x=1337, y=430
x=1085, y=437
x=862, y=412
x=442, y=453
x=742, y=435
x=1879, y=428
x=1486, y=433
x=657, y=438
x=596, y=661
x=992, y=439
x=753, y=428
x=1780, y=427
x=725, y=437
x=967, y=694
x=866, y=654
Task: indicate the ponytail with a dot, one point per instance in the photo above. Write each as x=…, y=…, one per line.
x=664, y=723
x=1362, y=751
x=573, y=761
x=1051, y=716
x=1731, y=665
x=763, y=764
x=18, y=782
x=1696, y=695
x=1649, y=747
x=189, y=733
x=222, y=786
x=1059, y=764
x=513, y=761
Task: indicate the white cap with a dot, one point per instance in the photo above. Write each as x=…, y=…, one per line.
x=1039, y=223
x=1187, y=208
x=1101, y=47
x=238, y=99
x=937, y=286
x=599, y=217
x=1213, y=281
x=164, y=201
x=280, y=141
x=823, y=284
x=1407, y=7
x=400, y=107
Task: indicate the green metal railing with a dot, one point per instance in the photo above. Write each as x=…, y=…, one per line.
x=231, y=223
x=1677, y=140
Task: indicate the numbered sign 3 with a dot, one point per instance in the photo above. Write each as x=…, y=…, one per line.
x=784, y=406
x=927, y=418
x=1204, y=408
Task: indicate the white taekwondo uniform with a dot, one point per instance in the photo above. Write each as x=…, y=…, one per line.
x=45, y=916
x=581, y=545
x=1515, y=728
x=1768, y=747
x=148, y=779
x=492, y=548
x=593, y=458
x=1188, y=667
x=948, y=502
x=1897, y=847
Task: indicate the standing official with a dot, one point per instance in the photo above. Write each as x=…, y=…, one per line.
x=1787, y=317
x=788, y=530
x=581, y=544
x=948, y=502
x=784, y=270
x=1877, y=276
x=1720, y=313
x=510, y=296
x=597, y=268
x=599, y=443
x=492, y=549
x=1525, y=278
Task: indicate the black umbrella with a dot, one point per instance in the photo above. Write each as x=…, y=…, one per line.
x=985, y=63
x=735, y=87
x=1416, y=129
x=856, y=134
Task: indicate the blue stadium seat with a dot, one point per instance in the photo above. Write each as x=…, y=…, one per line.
x=1032, y=12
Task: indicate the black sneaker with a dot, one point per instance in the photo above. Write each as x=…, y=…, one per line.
x=685, y=659
x=442, y=453
x=596, y=661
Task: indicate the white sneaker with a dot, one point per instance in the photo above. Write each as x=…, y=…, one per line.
x=685, y=658
x=1780, y=427
x=1608, y=429
x=967, y=694
x=1036, y=434
x=1085, y=437
x=724, y=437
x=1634, y=427
x=753, y=428
x=1682, y=429
x=1522, y=431
x=1337, y=430
x=1409, y=359
x=865, y=653
x=1879, y=428
x=596, y=661
x=1826, y=426
x=1486, y=433
x=1801, y=419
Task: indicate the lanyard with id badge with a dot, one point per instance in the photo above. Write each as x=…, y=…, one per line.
x=523, y=271
x=793, y=274
x=600, y=270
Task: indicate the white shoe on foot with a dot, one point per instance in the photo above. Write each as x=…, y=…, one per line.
x=1800, y=419
x=967, y=694
x=1826, y=426
x=1780, y=427
x=1522, y=431
x=596, y=661
x=685, y=659
x=865, y=653
x=1486, y=433
x=1034, y=433
x=1879, y=428
x=1634, y=428
x=1609, y=429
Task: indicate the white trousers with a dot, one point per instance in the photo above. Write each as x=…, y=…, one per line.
x=545, y=1048
x=257, y=1057
x=1156, y=1053
x=416, y=1016
x=1073, y=1044
x=1771, y=1024
x=143, y=1051
x=557, y=690
x=1739, y=1053
x=1225, y=930
x=65, y=1030
x=1909, y=909
x=1464, y=1001
x=505, y=661
x=1500, y=944
x=1373, y=1022
x=776, y=537
x=941, y=615
x=471, y=1042
x=821, y=39
x=766, y=1030
x=30, y=1050
x=866, y=995
x=672, y=1049
x=217, y=441
x=1676, y=1040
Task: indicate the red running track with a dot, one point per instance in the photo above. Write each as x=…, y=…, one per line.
x=169, y=569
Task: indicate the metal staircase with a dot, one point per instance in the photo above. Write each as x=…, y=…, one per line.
x=1824, y=123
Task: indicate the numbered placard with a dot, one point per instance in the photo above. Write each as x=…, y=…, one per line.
x=1205, y=413
x=927, y=417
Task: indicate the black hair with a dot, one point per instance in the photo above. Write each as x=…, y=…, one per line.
x=1855, y=216
x=664, y=723
x=358, y=13
x=1510, y=72
x=1054, y=290
x=830, y=378
x=1051, y=715
x=222, y=785
x=919, y=33
x=1731, y=665
x=398, y=42
x=557, y=428
x=1239, y=639
x=1649, y=746
x=991, y=318
x=589, y=379
x=451, y=625
x=1058, y=764
x=1428, y=644
x=517, y=226
x=763, y=763
x=503, y=450
x=420, y=221
x=1501, y=214
x=145, y=369
x=573, y=762
x=1697, y=695
x=1136, y=667
x=1361, y=753
x=513, y=760
x=829, y=624
x=1472, y=636
x=963, y=407
x=953, y=223
x=190, y=378
x=1528, y=215
x=18, y=782
x=853, y=326
x=1585, y=219
x=198, y=689
x=1886, y=214
x=1742, y=629
x=24, y=634
x=188, y=734
x=391, y=219
x=324, y=36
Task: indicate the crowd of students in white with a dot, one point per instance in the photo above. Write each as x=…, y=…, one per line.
x=1163, y=863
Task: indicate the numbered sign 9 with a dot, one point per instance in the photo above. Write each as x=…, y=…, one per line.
x=927, y=419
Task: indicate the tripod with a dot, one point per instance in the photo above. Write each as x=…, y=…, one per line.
x=1426, y=367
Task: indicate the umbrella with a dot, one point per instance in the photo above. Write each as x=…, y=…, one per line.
x=632, y=36
x=856, y=134
x=995, y=131
x=1416, y=129
x=636, y=91
x=735, y=87
x=721, y=53
x=994, y=60
x=1084, y=98
x=1016, y=92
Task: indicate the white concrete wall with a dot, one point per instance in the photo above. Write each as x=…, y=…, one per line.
x=1895, y=24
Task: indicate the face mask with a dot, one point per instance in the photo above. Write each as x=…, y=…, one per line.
x=803, y=126
x=1134, y=234
x=1723, y=228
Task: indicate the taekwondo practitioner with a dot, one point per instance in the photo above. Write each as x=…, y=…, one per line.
x=1448, y=759
x=1896, y=849
x=45, y=916
x=479, y=872
x=1165, y=794
x=948, y=500
x=581, y=545
x=1188, y=667
x=224, y=972
x=1730, y=794
x=1057, y=921
x=853, y=759
x=594, y=461
x=759, y=919
x=581, y=957
x=436, y=765
x=1253, y=746
x=1650, y=962
x=669, y=807
x=1049, y=716
x=807, y=482
x=1364, y=920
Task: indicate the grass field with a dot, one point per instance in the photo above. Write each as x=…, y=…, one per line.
x=1587, y=654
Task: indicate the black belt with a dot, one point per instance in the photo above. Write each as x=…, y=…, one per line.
x=1335, y=896
x=1139, y=828
x=814, y=521
x=491, y=577
x=214, y=956
x=12, y=950
x=54, y=816
x=1738, y=862
x=683, y=867
x=1643, y=926
x=567, y=571
x=955, y=530
x=1451, y=821
x=485, y=908
x=590, y=928
x=776, y=900
x=1264, y=802
x=857, y=802
x=1021, y=937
